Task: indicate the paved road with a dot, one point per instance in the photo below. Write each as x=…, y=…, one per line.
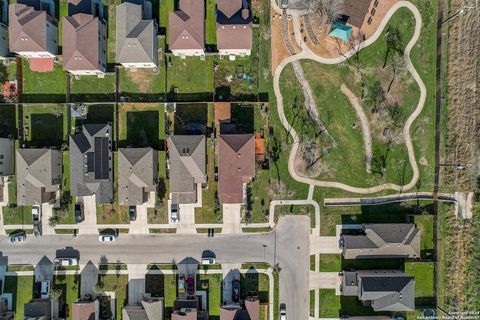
x=287, y=246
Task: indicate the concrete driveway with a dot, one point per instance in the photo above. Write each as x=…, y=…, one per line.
x=324, y=245
x=325, y=280
x=139, y=226
x=47, y=212
x=186, y=222
x=230, y=273
x=232, y=218
x=89, y=224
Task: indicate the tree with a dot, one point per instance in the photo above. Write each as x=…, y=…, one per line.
x=376, y=94
x=161, y=191
x=56, y=293
x=393, y=38
x=3, y=73
x=54, y=220
x=65, y=199
x=398, y=64
x=326, y=10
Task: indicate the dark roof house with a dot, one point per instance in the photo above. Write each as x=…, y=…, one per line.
x=39, y=175
x=186, y=28
x=383, y=290
x=136, y=35
x=383, y=240
x=38, y=309
x=84, y=44
x=250, y=312
x=236, y=166
x=148, y=309
x=187, y=166
x=137, y=175
x=234, y=27
x=91, y=163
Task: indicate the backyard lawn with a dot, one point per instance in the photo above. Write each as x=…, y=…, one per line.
x=98, y=114
x=115, y=283
x=21, y=288
x=47, y=125
x=46, y=87
x=190, y=79
x=70, y=287
x=424, y=281
x=143, y=84
x=141, y=125
x=93, y=89
x=8, y=121
x=425, y=224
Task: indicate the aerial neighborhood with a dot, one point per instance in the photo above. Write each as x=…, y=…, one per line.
x=238, y=159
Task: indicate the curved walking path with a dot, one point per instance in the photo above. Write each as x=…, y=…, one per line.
x=307, y=54
x=367, y=135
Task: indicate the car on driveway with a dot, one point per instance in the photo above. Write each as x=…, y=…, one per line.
x=207, y=261
x=181, y=284
x=107, y=238
x=236, y=290
x=174, y=212
x=79, y=212
x=190, y=285
x=36, y=217
x=132, y=211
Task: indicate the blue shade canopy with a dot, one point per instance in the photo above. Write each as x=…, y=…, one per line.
x=340, y=31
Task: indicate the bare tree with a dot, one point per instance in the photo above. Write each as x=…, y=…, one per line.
x=398, y=64
x=326, y=10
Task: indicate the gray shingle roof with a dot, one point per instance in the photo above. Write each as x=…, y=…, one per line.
x=39, y=172
x=7, y=167
x=384, y=290
x=136, y=36
x=91, y=163
x=137, y=175
x=383, y=240
x=187, y=166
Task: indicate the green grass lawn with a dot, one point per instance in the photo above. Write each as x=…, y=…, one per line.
x=112, y=14
x=170, y=292
x=424, y=281
x=70, y=286
x=255, y=282
x=143, y=84
x=117, y=283
x=63, y=11
x=99, y=114
x=47, y=125
x=372, y=264
x=330, y=263
x=210, y=23
x=17, y=215
x=165, y=7
x=8, y=122
x=425, y=224
x=329, y=304
x=212, y=283
x=312, y=303
x=93, y=89
x=141, y=125
x=22, y=289
x=191, y=77
x=46, y=87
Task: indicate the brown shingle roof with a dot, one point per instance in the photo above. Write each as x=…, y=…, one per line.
x=356, y=10
x=27, y=28
x=81, y=42
x=83, y=310
x=234, y=25
x=236, y=165
x=186, y=26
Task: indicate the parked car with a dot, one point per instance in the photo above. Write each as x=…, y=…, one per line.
x=36, y=217
x=283, y=311
x=107, y=237
x=174, y=212
x=190, y=286
x=79, y=212
x=216, y=173
x=236, y=290
x=65, y=262
x=181, y=284
x=45, y=289
x=18, y=237
x=132, y=210
x=207, y=261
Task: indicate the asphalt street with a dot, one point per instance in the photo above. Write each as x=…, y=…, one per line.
x=287, y=247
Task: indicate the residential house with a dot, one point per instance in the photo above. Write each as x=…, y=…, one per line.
x=383, y=240
x=188, y=309
x=86, y=309
x=186, y=29
x=136, y=35
x=137, y=175
x=250, y=312
x=93, y=7
x=4, y=49
x=84, y=41
x=383, y=290
x=148, y=309
x=5, y=314
x=39, y=309
x=234, y=28
x=39, y=175
x=7, y=167
x=236, y=166
x=187, y=167
x=33, y=29
x=91, y=163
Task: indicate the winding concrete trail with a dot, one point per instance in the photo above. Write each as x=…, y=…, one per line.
x=307, y=54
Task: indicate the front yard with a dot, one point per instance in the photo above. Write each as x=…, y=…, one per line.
x=117, y=283
x=69, y=285
x=212, y=283
x=21, y=288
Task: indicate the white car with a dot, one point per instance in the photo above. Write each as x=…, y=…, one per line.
x=36, y=212
x=45, y=290
x=20, y=237
x=207, y=261
x=65, y=262
x=107, y=238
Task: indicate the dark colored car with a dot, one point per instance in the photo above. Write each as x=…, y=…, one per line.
x=79, y=212
x=132, y=210
x=190, y=286
x=236, y=290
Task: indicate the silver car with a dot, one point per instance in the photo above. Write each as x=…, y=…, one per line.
x=17, y=238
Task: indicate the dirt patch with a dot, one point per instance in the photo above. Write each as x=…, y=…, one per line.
x=279, y=51
x=141, y=77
